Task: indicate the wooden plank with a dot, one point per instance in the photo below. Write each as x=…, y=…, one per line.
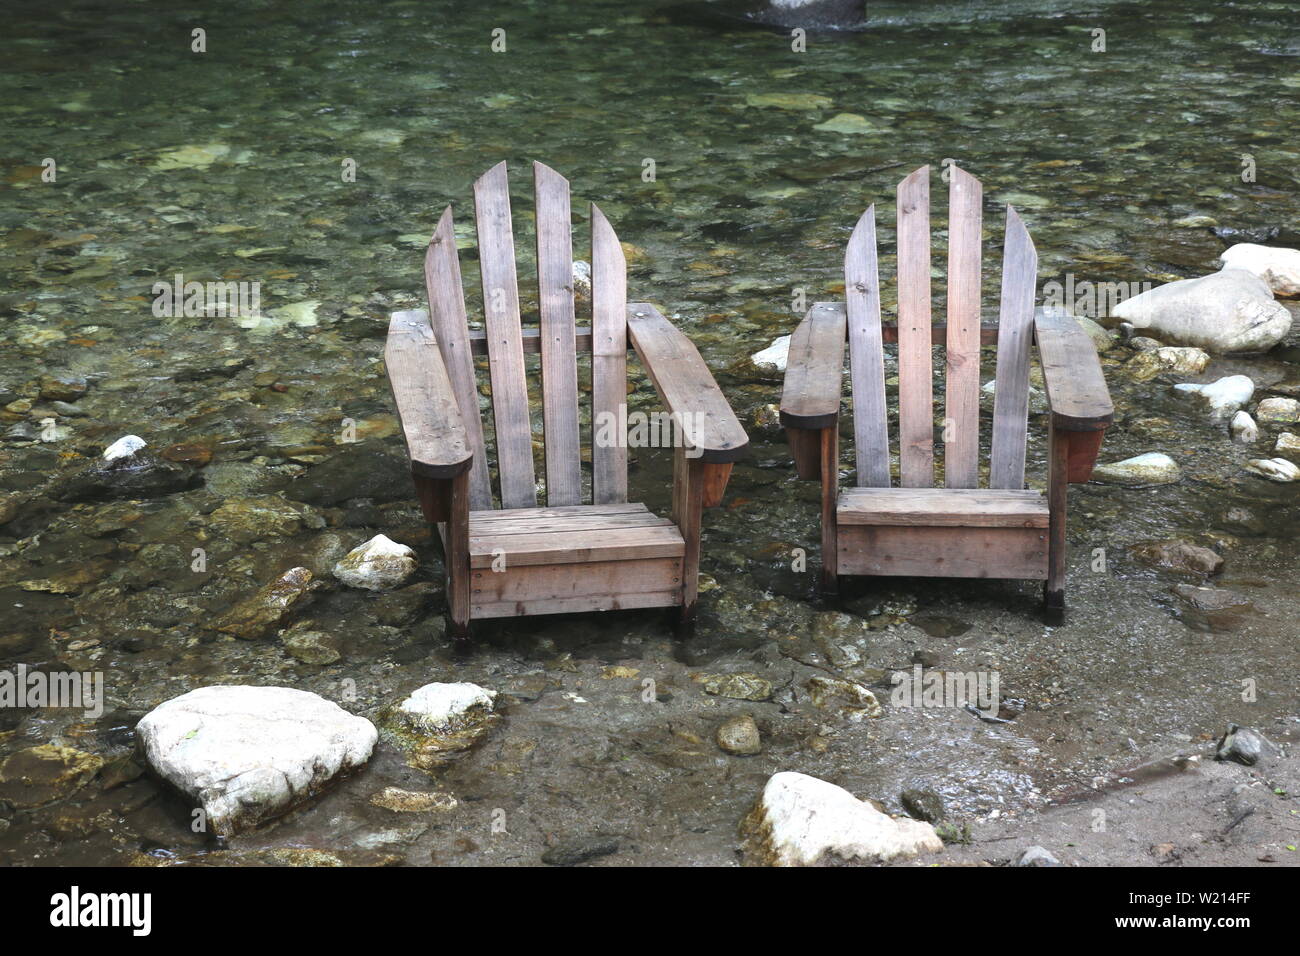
x=1058, y=484
x=962, y=399
x=955, y=507
x=608, y=362
x=1016, y=553
x=496, y=249
x=715, y=478
x=866, y=354
x=1076, y=388
x=559, y=351
x=686, y=386
x=578, y=605
x=915, y=366
x=580, y=511
x=814, y=371
x=1011, y=400
x=1084, y=447
x=888, y=333
x=455, y=549
x=442, y=283
x=534, y=585
x=830, y=469
x=688, y=505
x=422, y=396
x=805, y=448
x=576, y=547
x=560, y=526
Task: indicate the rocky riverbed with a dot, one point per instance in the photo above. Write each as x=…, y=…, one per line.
x=220, y=547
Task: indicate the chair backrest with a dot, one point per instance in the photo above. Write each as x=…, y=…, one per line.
x=556, y=336
x=915, y=347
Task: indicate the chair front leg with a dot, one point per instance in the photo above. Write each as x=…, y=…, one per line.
x=689, y=478
x=446, y=504
x=1058, y=483
x=830, y=475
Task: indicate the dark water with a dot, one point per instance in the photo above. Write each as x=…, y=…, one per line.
x=226, y=165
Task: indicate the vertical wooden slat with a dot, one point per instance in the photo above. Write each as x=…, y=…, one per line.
x=866, y=354
x=915, y=371
x=450, y=327
x=962, y=405
x=1015, y=333
x=558, y=340
x=496, y=249
x=1058, y=484
x=608, y=363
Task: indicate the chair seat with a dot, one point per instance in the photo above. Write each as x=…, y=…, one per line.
x=942, y=507
x=574, y=534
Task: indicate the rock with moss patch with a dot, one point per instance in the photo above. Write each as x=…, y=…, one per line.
x=270, y=608
x=414, y=801
x=803, y=821
x=441, y=719
x=844, y=698
x=736, y=686
x=1153, y=468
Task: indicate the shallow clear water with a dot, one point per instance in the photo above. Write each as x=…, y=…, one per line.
x=227, y=164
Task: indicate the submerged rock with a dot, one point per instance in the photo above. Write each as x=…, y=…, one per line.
x=1221, y=398
x=802, y=821
x=1225, y=312
x=40, y=775
x=1174, y=360
x=1153, y=468
x=413, y=801
x=125, y=470
x=577, y=850
x=1177, y=555
x=1279, y=268
x=923, y=805
x=736, y=686
x=1287, y=446
x=247, y=754
x=63, y=387
x=377, y=565
x=844, y=698
x=270, y=608
x=739, y=736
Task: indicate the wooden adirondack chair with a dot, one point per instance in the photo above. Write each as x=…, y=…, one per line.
x=960, y=529
x=568, y=556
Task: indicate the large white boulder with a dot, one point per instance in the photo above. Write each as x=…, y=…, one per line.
x=1225, y=312
x=377, y=565
x=1280, y=268
x=247, y=754
x=1221, y=398
x=802, y=821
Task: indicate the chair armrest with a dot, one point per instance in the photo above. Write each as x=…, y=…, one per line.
x=1076, y=389
x=426, y=407
x=686, y=386
x=814, y=369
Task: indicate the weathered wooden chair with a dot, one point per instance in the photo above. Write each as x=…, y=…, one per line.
x=568, y=556
x=960, y=529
